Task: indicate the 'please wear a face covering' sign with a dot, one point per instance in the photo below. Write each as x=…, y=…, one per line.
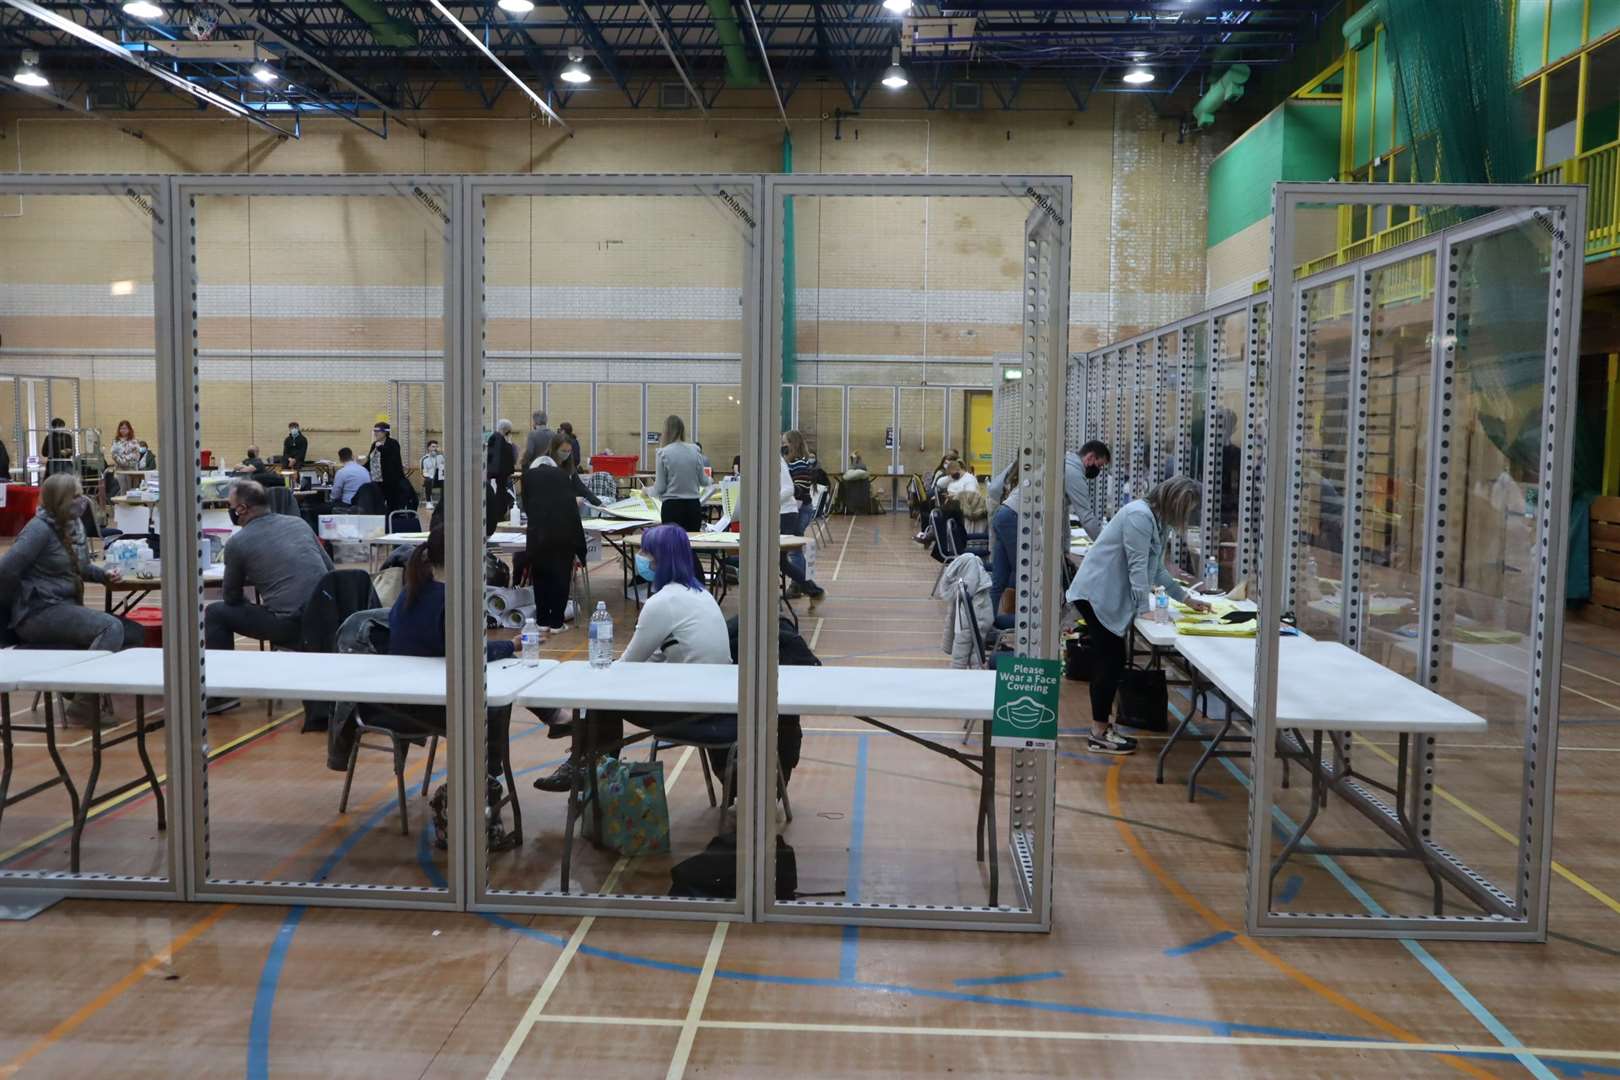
x=1026, y=711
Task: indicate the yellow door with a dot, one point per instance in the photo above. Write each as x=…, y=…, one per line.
x=981, y=413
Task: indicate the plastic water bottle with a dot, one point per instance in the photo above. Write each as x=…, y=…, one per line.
x=1313, y=580
x=1161, y=605
x=601, y=636
x=529, y=639
x=1212, y=575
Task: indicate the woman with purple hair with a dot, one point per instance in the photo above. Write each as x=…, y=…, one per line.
x=679, y=624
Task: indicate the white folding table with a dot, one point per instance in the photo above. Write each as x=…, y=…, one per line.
x=1323, y=686
x=15, y=665
x=392, y=680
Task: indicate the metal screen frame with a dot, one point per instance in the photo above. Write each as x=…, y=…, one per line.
x=182, y=562
x=742, y=194
x=1526, y=917
x=154, y=194
x=1045, y=357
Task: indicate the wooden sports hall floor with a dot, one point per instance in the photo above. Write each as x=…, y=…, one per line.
x=1143, y=974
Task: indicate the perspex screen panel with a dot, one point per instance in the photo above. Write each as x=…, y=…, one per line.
x=671, y=288
x=1470, y=328
x=89, y=773
x=858, y=773
x=306, y=301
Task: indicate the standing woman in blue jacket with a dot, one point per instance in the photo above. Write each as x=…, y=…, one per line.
x=1115, y=584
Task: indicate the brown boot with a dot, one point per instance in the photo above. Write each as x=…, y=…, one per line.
x=81, y=710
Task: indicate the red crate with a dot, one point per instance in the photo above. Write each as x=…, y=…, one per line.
x=615, y=464
x=151, y=620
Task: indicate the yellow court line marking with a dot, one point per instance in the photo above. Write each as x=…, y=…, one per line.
x=1521, y=648
x=75, y=744
x=1526, y=671
x=1558, y=868
x=694, y=1011
x=844, y=550
x=1093, y=1036
x=152, y=963
x=1205, y=912
x=105, y=805
x=535, y=1012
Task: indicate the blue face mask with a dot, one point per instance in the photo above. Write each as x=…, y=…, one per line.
x=644, y=568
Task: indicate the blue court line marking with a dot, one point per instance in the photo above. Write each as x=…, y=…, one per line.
x=1002, y=980
x=1290, y=889
x=1201, y=944
x=1210, y=793
x=849, y=952
x=1446, y=979
x=1219, y=1028
x=264, y=999
x=1090, y=759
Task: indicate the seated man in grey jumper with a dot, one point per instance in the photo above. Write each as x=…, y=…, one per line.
x=279, y=556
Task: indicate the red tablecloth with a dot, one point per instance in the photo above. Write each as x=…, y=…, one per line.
x=22, y=502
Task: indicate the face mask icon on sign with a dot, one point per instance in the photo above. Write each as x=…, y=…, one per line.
x=1026, y=712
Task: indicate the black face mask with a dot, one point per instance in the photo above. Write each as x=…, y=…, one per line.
x=1092, y=471
x=784, y=451
x=235, y=515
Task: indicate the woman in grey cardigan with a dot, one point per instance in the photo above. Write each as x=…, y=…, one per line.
x=678, y=479
x=42, y=581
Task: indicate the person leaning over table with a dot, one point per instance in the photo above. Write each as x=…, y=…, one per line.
x=681, y=623
x=295, y=447
x=1115, y=584
x=279, y=556
x=555, y=537
x=42, y=577
x=1080, y=471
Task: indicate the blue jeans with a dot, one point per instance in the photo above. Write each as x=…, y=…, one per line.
x=1003, y=552
x=806, y=515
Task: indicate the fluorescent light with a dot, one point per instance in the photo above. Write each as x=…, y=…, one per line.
x=517, y=7
x=28, y=75
x=574, y=71
x=265, y=74
x=123, y=288
x=143, y=9
x=895, y=77
x=899, y=7
x=1138, y=76
x=477, y=43
x=1012, y=374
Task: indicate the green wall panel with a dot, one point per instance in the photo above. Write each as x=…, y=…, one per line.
x=1602, y=126
x=1527, y=33
x=1564, y=36
x=1299, y=141
x=1361, y=138
x=1384, y=104
x=1605, y=18
x=1240, y=179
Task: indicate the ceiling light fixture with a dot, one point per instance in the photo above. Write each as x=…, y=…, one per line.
x=894, y=76
x=265, y=74
x=143, y=9
x=516, y=7
x=478, y=43
x=574, y=71
x=1138, y=76
x=29, y=74
x=899, y=7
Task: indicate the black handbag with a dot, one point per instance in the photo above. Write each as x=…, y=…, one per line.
x=1144, y=699
x=1077, y=659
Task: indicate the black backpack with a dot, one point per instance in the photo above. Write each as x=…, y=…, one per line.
x=712, y=873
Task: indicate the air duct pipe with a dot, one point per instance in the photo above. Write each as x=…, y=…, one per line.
x=1229, y=87
x=740, y=68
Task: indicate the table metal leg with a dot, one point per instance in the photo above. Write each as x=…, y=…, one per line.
x=82, y=813
x=1404, y=816
x=1317, y=779
x=1209, y=752
x=146, y=761
x=5, y=747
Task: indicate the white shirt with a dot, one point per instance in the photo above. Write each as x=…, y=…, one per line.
x=789, y=503
x=433, y=466
x=962, y=484
x=684, y=624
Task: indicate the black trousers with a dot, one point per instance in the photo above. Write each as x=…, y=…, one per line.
x=1107, y=665
x=688, y=514
x=223, y=622
x=429, y=487
x=550, y=572
x=789, y=525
